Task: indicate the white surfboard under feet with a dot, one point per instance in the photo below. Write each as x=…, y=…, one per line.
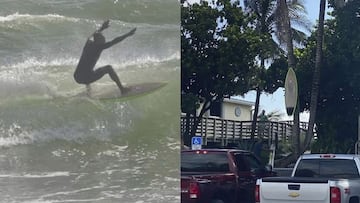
x=113, y=92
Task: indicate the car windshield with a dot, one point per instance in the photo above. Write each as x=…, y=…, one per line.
x=329, y=168
x=207, y=162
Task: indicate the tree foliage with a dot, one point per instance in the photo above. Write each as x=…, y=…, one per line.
x=218, y=49
x=269, y=23
x=338, y=104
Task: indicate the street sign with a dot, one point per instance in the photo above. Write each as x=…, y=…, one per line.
x=291, y=91
x=196, y=143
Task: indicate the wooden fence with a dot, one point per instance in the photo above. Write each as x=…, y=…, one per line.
x=223, y=131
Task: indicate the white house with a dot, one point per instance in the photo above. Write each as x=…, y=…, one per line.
x=232, y=109
x=236, y=109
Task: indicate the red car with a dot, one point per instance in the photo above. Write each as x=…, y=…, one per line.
x=220, y=176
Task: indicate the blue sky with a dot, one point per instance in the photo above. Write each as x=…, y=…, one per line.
x=276, y=101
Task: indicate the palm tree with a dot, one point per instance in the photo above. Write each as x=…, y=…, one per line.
x=269, y=25
x=316, y=76
x=285, y=30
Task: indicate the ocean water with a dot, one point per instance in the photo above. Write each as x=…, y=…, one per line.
x=60, y=148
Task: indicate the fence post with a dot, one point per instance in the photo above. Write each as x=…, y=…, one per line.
x=214, y=129
x=234, y=134
x=226, y=133
x=222, y=132
x=206, y=125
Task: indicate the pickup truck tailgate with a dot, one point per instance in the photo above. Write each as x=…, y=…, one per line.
x=286, y=189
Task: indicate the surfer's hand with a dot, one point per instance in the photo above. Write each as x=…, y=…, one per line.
x=104, y=25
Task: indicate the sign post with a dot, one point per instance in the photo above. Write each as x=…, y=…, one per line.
x=196, y=142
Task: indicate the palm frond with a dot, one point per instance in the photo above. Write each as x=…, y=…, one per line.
x=274, y=115
x=298, y=36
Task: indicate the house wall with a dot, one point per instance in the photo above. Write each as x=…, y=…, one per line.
x=228, y=111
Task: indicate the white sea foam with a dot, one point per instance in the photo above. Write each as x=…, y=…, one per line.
x=8, y=70
x=65, y=149
x=39, y=62
x=28, y=136
x=69, y=192
x=14, y=140
x=29, y=17
x=115, y=152
x=37, y=175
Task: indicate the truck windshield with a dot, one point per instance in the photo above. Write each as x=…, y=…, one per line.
x=209, y=162
x=327, y=168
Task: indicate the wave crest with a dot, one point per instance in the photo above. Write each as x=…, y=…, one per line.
x=29, y=17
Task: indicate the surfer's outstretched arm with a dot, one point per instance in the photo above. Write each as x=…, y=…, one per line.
x=119, y=39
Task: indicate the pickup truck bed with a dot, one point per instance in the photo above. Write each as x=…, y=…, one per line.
x=315, y=178
x=277, y=192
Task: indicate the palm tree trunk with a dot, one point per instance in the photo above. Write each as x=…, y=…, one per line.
x=316, y=76
x=257, y=100
x=296, y=130
x=286, y=32
x=256, y=112
x=259, y=88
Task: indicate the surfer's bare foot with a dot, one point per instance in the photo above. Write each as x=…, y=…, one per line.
x=125, y=90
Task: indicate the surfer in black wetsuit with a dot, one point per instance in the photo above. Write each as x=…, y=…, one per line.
x=85, y=73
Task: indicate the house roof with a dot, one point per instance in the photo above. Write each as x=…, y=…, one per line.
x=238, y=101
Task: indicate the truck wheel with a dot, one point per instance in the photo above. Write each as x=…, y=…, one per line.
x=217, y=201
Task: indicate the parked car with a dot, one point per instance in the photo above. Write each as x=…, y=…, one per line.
x=220, y=175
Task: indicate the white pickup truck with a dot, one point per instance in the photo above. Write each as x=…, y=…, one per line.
x=316, y=178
